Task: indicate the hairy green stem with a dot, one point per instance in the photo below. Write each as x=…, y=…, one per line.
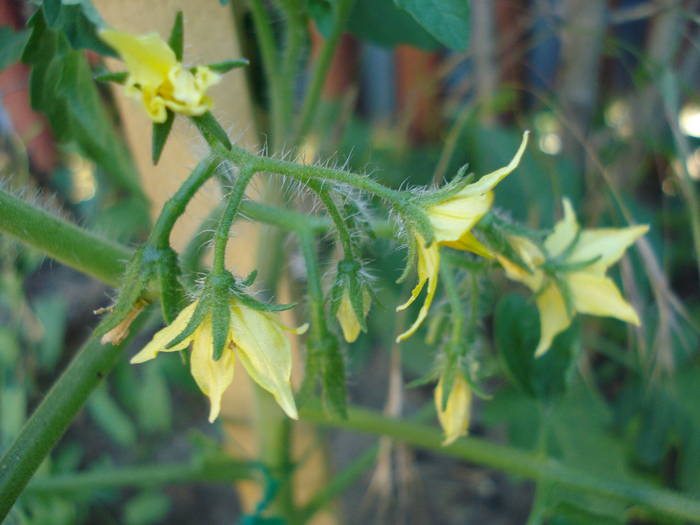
x=223, y=470
x=318, y=329
x=513, y=461
x=336, y=217
x=175, y=206
x=52, y=417
x=305, y=173
x=309, y=107
x=78, y=248
x=233, y=201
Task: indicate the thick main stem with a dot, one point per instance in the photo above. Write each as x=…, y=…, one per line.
x=61, y=240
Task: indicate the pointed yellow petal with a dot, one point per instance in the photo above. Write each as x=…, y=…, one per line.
x=596, y=295
x=164, y=336
x=469, y=243
x=553, y=317
x=489, y=181
x=212, y=377
x=531, y=255
x=428, y=269
x=453, y=218
x=564, y=231
x=607, y=243
x=265, y=352
x=148, y=57
x=455, y=418
x=422, y=274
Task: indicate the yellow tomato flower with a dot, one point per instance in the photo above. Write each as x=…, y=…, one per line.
x=452, y=220
x=583, y=257
x=349, y=323
x=158, y=79
x=455, y=418
x=256, y=338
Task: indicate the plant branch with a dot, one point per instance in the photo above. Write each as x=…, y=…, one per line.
x=59, y=239
x=512, y=461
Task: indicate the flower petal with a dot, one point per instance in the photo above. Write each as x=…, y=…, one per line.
x=489, y=181
x=597, y=295
x=553, y=317
x=167, y=334
x=455, y=418
x=564, y=231
x=451, y=219
x=428, y=269
x=265, y=352
x=347, y=319
x=148, y=57
x=531, y=255
x=212, y=377
x=469, y=243
x=607, y=243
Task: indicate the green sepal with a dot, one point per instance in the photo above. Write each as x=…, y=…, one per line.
x=118, y=77
x=247, y=300
x=197, y=317
x=161, y=131
x=410, y=260
x=357, y=219
x=437, y=324
x=210, y=128
x=449, y=373
x=228, y=65
x=136, y=277
x=495, y=238
x=176, y=41
x=428, y=378
x=220, y=320
x=250, y=279
x=445, y=192
x=466, y=261
x=333, y=378
x=357, y=300
x=336, y=293
x=172, y=295
x=419, y=221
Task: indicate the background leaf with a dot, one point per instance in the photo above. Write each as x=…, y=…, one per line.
x=446, y=20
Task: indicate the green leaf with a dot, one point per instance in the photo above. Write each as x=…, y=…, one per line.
x=79, y=21
x=384, y=24
x=146, y=507
x=118, y=77
x=62, y=88
x=228, y=65
x=111, y=418
x=161, y=131
x=446, y=20
x=176, y=41
x=516, y=330
x=517, y=333
x=11, y=45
